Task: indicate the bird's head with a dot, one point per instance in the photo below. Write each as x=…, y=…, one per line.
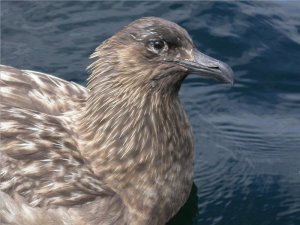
x=156, y=53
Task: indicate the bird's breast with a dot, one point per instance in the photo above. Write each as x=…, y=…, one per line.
x=145, y=154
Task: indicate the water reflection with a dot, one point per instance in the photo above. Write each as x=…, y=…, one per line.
x=247, y=137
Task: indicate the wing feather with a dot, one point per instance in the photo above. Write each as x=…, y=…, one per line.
x=39, y=159
x=39, y=91
x=18, y=212
x=39, y=156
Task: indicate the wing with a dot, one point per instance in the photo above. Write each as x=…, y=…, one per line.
x=39, y=160
x=107, y=211
x=17, y=212
x=38, y=91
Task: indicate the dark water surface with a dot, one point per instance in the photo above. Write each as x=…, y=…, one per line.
x=247, y=137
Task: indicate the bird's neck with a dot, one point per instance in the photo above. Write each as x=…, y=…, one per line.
x=140, y=144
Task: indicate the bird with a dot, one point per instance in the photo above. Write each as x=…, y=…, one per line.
x=117, y=152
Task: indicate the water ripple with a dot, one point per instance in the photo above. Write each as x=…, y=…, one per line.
x=247, y=137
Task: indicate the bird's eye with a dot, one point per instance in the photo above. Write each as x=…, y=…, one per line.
x=157, y=45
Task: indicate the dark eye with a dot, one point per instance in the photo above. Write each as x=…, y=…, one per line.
x=157, y=45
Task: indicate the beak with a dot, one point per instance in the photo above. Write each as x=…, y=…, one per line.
x=208, y=67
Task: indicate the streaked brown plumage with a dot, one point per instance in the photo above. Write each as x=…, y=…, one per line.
x=120, y=151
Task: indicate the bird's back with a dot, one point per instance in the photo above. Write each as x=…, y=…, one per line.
x=38, y=91
x=39, y=157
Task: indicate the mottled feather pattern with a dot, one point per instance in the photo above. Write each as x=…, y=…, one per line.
x=39, y=159
x=41, y=162
x=14, y=212
x=39, y=91
x=119, y=152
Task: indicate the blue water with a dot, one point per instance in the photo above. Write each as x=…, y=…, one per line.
x=247, y=137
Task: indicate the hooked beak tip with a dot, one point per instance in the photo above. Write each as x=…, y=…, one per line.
x=209, y=67
x=227, y=73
